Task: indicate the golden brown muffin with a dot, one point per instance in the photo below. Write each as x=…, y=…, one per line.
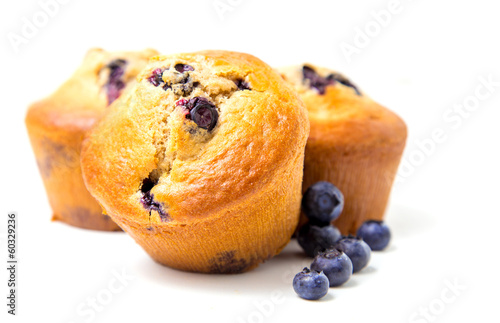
x=201, y=163
x=57, y=125
x=354, y=143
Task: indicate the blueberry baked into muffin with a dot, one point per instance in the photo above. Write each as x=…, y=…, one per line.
x=56, y=127
x=354, y=143
x=202, y=161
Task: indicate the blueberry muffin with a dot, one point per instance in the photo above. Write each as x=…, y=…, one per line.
x=354, y=143
x=56, y=127
x=201, y=162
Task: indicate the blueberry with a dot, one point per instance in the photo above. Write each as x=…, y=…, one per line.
x=356, y=249
x=375, y=233
x=148, y=200
x=242, y=85
x=148, y=184
x=322, y=203
x=205, y=116
x=314, y=239
x=320, y=83
x=156, y=77
x=336, y=265
x=343, y=80
x=315, y=80
x=311, y=285
x=181, y=68
x=201, y=111
x=115, y=84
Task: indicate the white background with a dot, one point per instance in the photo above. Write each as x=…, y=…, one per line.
x=444, y=212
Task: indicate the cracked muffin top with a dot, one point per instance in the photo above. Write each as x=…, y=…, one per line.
x=197, y=133
x=80, y=101
x=340, y=113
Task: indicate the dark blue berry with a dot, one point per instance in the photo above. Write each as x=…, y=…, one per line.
x=148, y=200
x=181, y=68
x=315, y=80
x=322, y=203
x=205, y=116
x=375, y=233
x=357, y=250
x=115, y=84
x=314, y=239
x=343, y=80
x=201, y=111
x=311, y=285
x=242, y=85
x=336, y=265
x=148, y=184
x=156, y=77
x=320, y=83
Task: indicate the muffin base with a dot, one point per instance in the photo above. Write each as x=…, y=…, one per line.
x=232, y=241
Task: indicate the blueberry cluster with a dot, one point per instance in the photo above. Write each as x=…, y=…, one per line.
x=336, y=257
x=320, y=83
x=180, y=82
x=322, y=203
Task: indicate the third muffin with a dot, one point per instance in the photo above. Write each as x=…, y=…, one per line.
x=56, y=126
x=354, y=142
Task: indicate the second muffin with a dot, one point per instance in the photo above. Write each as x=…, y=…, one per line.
x=201, y=163
x=355, y=143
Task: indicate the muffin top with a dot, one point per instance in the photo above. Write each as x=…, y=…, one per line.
x=80, y=101
x=196, y=134
x=341, y=115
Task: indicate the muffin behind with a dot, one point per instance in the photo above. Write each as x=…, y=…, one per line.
x=57, y=125
x=354, y=142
